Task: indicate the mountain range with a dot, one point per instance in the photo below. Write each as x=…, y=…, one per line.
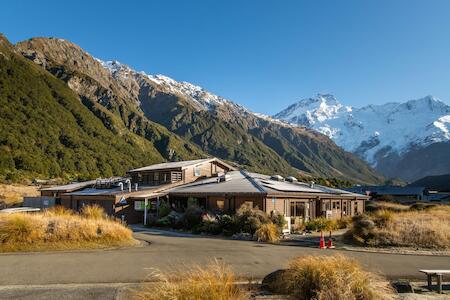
x=406, y=140
x=66, y=113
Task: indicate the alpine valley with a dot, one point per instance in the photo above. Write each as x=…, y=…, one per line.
x=84, y=117
x=407, y=140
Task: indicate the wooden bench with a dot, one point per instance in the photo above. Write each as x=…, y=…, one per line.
x=436, y=273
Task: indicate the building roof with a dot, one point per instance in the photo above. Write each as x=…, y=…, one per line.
x=69, y=187
x=181, y=165
x=241, y=182
x=237, y=184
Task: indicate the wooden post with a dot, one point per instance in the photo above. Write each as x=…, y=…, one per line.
x=145, y=211
x=439, y=283
x=429, y=281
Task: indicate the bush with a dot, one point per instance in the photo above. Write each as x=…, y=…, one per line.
x=164, y=209
x=192, y=217
x=92, y=212
x=330, y=277
x=228, y=224
x=362, y=230
x=320, y=224
x=250, y=219
x=279, y=220
x=268, y=233
x=343, y=222
x=214, y=281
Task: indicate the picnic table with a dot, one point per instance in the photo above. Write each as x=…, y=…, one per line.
x=436, y=273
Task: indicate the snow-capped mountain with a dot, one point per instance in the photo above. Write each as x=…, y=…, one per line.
x=374, y=131
x=201, y=98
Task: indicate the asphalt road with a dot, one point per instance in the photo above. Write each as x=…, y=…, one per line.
x=169, y=252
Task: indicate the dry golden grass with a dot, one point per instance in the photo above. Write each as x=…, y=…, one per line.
x=12, y=194
x=60, y=230
x=425, y=229
x=268, y=233
x=391, y=206
x=428, y=229
x=331, y=278
x=213, y=282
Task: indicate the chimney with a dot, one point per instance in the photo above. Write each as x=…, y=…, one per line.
x=121, y=186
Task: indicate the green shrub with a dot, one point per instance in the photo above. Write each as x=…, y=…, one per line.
x=343, y=222
x=192, y=217
x=250, y=219
x=228, y=224
x=321, y=224
x=279, y=220
x=164, y=209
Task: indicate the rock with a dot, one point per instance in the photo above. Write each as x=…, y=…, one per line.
x=403, y=286
x=273, y=282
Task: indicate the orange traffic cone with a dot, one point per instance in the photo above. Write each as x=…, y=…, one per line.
x=322, y=241
x=330, y=242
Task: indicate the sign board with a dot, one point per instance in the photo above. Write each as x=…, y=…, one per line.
x=123, y=201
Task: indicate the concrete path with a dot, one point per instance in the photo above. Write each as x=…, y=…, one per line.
x=171, y=251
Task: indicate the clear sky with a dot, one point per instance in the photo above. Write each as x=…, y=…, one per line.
x=262, y=54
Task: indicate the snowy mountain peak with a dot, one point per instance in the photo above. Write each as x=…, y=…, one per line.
x=374, y=130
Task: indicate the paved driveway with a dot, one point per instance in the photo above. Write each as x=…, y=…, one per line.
x=171, y=251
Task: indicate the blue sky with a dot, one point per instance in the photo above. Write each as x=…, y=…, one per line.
x=262, y=54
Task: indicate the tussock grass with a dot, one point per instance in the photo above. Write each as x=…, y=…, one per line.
x=11, y=194
x=384, y=205
x=429, y=228
x=213, y=282
x=268, y=233
x=331, y=278
x=60, y=230
x=93, y=212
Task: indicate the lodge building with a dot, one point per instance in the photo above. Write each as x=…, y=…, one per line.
x=214, y=184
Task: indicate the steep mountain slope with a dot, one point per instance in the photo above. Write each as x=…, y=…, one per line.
x=437, y=183
x=398, y=139
x=216, y=125
x=46, y=131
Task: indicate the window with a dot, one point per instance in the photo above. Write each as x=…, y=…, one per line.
x=298, y=209
x=156, y=176
x=197, y=171
x=139, y=205
x=356, y=207
x=334, y=205
x=220, y=204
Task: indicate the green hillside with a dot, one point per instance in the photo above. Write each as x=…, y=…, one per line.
x=46, y=131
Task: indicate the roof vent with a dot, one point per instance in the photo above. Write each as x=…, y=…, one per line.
x=311, y=184
x=291, y=179
x=277, y=178
x=224, y=178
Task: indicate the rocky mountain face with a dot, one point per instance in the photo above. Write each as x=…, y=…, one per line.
x=186, y=115
x=408, y=140
x=48, y=131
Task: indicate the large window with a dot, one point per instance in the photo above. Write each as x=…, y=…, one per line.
x=220, y=204
x=298, y=209
x=197, y=171
x=139, y=205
